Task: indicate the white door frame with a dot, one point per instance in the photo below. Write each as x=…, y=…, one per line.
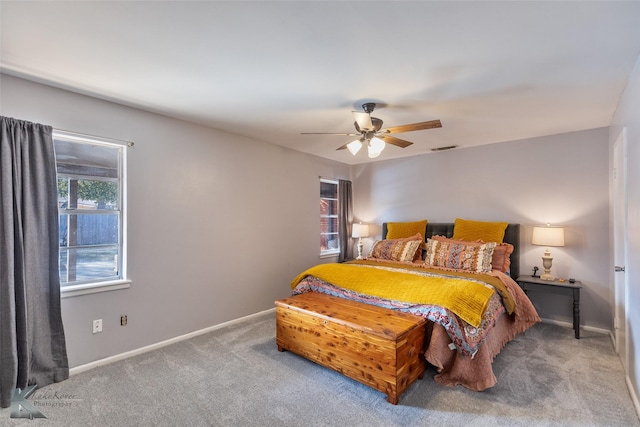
x=620, y=299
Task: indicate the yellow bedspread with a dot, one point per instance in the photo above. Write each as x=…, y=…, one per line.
x=468, y=299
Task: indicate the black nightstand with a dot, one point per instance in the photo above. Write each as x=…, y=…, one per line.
x=530, y=283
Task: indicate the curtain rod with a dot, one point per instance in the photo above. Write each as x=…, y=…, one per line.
x=94, y=137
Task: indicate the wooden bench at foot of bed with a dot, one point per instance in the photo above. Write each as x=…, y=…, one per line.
x=378, y=347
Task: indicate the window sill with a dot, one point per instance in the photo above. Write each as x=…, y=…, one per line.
x=329, y=255
x=92, y=288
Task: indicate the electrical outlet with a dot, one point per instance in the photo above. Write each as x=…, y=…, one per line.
x=97, y=326
x=123, y=320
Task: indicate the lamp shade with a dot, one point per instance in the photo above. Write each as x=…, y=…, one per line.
x=548, y=236
x=360, y=230
x=376, y=145
x=354, y=146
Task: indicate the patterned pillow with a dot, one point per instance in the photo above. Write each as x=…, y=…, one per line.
x=472, y=231
x=396, y=249
x=460, y=255
x=417, y=236
x=397, y=230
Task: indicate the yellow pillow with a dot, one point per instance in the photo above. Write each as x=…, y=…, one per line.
x=399, y=230
x=471, y=231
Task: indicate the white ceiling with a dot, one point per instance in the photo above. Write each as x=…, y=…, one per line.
x=490, y=71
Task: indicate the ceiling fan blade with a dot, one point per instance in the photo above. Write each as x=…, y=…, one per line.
x=343, y=146
x=363, y=120
x=395, y=141
x=432, y=124
x=329, y=133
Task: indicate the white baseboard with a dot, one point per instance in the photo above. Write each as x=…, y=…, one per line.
x=141, y=350
x=570, y=325
x=634, y=396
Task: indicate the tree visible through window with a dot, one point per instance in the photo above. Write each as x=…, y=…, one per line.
x=90, y=209
x=329, y=232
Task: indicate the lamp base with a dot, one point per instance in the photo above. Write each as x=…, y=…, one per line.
x=360, y=245
x=546, y=263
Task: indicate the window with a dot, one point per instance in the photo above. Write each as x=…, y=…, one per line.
x=329, y=234
x=90, y=206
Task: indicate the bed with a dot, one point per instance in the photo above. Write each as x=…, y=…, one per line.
x=464, y=289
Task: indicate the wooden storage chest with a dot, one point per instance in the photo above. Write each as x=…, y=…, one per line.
x=378, y=347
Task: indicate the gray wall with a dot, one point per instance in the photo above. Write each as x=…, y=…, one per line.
x=249, y=210
x=561, y=179
x=628, y=115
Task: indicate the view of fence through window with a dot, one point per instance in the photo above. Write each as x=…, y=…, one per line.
x=89, y=205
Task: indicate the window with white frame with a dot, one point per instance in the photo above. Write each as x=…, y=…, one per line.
x=90, y=207
x=329, y=232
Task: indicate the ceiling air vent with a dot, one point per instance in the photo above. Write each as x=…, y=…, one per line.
x=448, y=147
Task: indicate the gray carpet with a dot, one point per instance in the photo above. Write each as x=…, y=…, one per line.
x=236, y=377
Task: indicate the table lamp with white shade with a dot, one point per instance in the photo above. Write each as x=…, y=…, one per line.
x=359, y=231
x=547, y=236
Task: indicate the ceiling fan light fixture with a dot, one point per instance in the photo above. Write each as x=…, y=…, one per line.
x=369, y=128
x=354, y=146
x=376, y=145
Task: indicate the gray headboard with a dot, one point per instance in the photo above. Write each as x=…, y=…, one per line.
x=511, y=235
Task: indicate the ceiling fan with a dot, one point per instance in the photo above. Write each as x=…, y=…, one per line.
x=369, y=131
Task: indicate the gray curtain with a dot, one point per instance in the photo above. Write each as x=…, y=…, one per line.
x=32, y=344
x=345, y=204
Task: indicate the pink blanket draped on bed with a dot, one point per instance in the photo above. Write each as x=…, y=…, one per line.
x=477, y=373
x=471, y=364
